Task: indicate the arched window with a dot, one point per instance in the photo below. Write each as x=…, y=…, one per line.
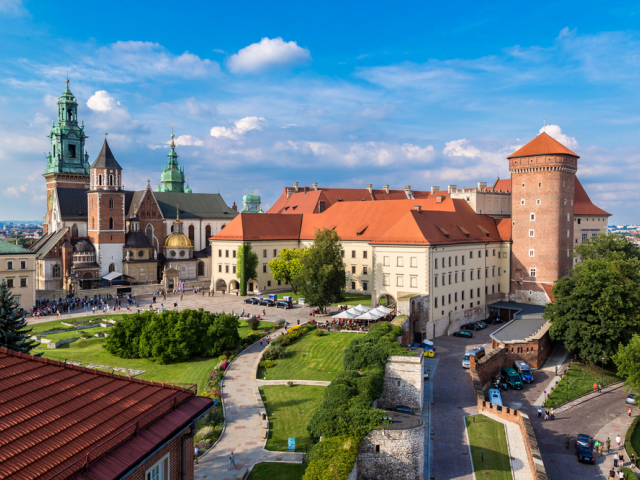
x=74, y=230
x=111, y=223
x=192, y=234
x=56, y=271
x=201, y=269
x=111, y=180
x=99, y=179
x=112, y=267
x=111, y=203
x=149, y=233
x=207, y=232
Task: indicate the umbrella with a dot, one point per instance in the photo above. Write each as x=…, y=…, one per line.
x=369, y=316
x=380, y=310
x=359, y=309
x=345, y=314
x=384, y=309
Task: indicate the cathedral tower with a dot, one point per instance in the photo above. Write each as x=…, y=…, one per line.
x=172, y=177
x=67, y=162
x=543, y=174
x=106, y=212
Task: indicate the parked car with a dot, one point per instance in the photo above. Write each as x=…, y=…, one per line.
x=511, y=378
x=523, y=369
x=252, y=301
x=495, y=397
x=585, y=455
x=493, y=320
x=477, y=351
x=463, y=334
x=283, y=304
x=268, y=302
x=631, y=398
x=583, y=441
x=481, y=324
x=470, y=326
x=403, y=409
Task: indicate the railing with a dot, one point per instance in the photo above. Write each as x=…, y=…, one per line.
x=118, y=438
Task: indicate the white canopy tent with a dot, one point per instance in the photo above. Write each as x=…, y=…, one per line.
x=359, y=309
x=371, y=315
x=381, y=311
x=345, y=314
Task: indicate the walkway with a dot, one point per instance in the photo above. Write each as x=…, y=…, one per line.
x=517, y=450
x=317, y=383
x=613, y=388
x=619, y=426
x=244, y=432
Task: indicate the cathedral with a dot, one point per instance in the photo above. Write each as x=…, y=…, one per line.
x=97, y=232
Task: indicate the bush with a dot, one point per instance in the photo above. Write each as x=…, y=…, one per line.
x=632, y=438
x=253, y=323
x=214, y=416
x=332, y=458
x=320, y=333
x=224, y=365
x=173, y=336
x=204, y=446
x=628, y=474
x=203, y=433
x=222, y=357
x=274, y=352
x=267, y=364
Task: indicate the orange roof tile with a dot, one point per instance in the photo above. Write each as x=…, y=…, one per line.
x=53, y=416
x=582, y=203
x=503, y=185
x=543, y=144
x=261, y=226
x=548, y=289
x=504, y=228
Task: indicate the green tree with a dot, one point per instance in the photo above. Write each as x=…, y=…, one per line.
x=627, y=360
x=598, y=308
x=287, y=265
x=322, y=273
x=14, y=333
x=247, y=266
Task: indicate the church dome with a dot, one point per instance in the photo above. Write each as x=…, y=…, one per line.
x=188, y=189
x=251, y=197
x=177, y=240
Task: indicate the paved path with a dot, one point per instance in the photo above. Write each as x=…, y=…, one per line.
x=619, y=426
x=590, y=396
x=557, y=362
x=317, y=383
x=517, y=450
x=245, y=431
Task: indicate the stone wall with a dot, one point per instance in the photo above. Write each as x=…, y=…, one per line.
x=452, y=322
x=403, y=383
x=392, y=454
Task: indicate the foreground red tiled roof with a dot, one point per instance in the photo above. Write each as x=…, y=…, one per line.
x=261, y=226
x=543, y=144
x=582, y=203
x=52, y=416
x=548, y=289
x=504, y=228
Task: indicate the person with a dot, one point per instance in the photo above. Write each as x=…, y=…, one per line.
x=620, y=474
x=621, y=459
x=595, y=387
x=632, y=459
x=232, y=461
x=616, y=458
x=599, y=388
x=567, y=441
x=612, y=474
x=608, y=442
x=553, y=414
x=618, y=440
x=260, y=342
x=546, y=414
x=196, y=452
x=629, y=411
x=600, y=448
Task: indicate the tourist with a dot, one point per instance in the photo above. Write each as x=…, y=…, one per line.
x=232, y=461
x=612, y=474
x=616, y=457
x=196, y=452
x=618, y=440
x=553, y=414
x=539, y=412
x=620, y=474
x=608, y=442
x=595, y=387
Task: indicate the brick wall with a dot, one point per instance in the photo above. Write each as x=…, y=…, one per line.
x=403, y=383
x=174, y=448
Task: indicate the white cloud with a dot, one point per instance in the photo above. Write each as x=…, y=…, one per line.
x=15, y=191
x=266, y=54
x=101, y=101
x=188, y=140
x=413, y=152
x=556, y=132
x=12, y=8
x=240, y=127
x=460, y=148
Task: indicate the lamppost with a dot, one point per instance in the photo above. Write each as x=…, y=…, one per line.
x=602, y=359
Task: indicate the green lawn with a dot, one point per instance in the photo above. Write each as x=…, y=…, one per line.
x=245, y=330
x=487, y=438
x=289, y=410
x=57, y=324
x=279, y=471
x=581, y=378
x=312, y=358
x=349, y=299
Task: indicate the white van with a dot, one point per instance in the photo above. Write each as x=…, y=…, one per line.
x=523, y=369
x=477, y=351
x=495, y=397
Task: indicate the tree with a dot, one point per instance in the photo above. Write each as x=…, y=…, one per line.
x=598, y=308
x=322, y=273
x=247, y=265
x=287, y=265
x=14, y=333
x=627, y=360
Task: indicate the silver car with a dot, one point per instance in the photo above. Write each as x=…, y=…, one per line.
x=631, y=398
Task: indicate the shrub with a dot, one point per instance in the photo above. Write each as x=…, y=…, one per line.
x=333, y=458
x=290, y=383
x=204, y=433
x=224, y=365
x=222, y=357
x=274, y=352
x=214, y=416
x=267, y=364
x=204, y=446
x=253, y=323
x=632, y=438
x=320, y=333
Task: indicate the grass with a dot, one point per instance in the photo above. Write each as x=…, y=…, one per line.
x=581, y=378
x=245, y=330
x=349, y=299
x=57, y=324
x=628, y=474
x=281, y=471
x=289, y=410
x=487, y=438
x=312, y=358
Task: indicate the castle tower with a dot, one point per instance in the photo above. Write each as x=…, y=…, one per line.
x=67, y=162
x=251, y=203
x=542, y=194
x=106, y=217
x=172, y=177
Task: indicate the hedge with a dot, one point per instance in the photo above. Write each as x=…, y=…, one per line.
x=628, y=438
x=332, y=458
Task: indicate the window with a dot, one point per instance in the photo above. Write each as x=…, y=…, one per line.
x=531, y=252
x=279, y=282
x=23, y=264
x=9, y=265
x=463, y=275
x=486, y=272
x=499, y=271
x=436, y=303
x=112, y=268
x=385, y=279
x=353, y=285
x=386, y=262
x=111, y=203
x=353, y=254
x=449, y=279
x=462, y=296
x=568, y=233
x=568, y=272
x=479, y=253
x=594, y=234
x=522, y=202
x=585, y=235
x=455, y=277
x=160, y=471
x=111, y=180
x=399, y=281
x=456, y=261
x=455, y=297
x=207, y=231
x=462, y=259
x=449, y=261
x=264, y=268
x=478, y=291
x=532, y=233
x=275, y=252
x=538, y=202
x=99, y=179
x=494, y=252
x=201, y=269
x=532, y=272
x=435, y=280
x=579, y=221
x=523, y=185
x=353, y=269
x=234, y=269
x=568, y=254
x=471, y=293
x=56, y=271
x=220, y=268
x=364, y=270
x=10, y=282
x=449, y=299
x=264, y=253
x=493, y=289
x=364, y=286
x=498, y=288
x=220, y=253
x=532, y=217
x=149, y=233
x=565, y=200
x=226, y=269
x=470, y=274
x=364, y=254
x=568, y=217
x=436, y=263
x=493, y=271
x=226, y=253
x=414, y=262
x=111, y=223
x=479, y=275
x=400, y=262
x=268, y=283
x=486, y=253
x=234, y=254
x=414, y=282
x=539, y=184
x=443, y=280
x=443, y=303
x=471, y=254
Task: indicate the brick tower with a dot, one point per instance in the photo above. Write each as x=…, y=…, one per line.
x=67, y=163
x=106, y=215
x=543, y=176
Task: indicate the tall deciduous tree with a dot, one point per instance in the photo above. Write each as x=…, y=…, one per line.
x=598, y=308
x=287, y=265
x=247, y=265
x=14, y=333
x=627, y=360
x=322, y=273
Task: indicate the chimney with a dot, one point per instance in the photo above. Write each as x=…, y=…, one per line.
x=235, y=207
x=370, y=188
x=451, y=188
x=417, y=208
x=439, y=198
x=289, y=191
x=295, y=186
x=482, y=185
x=315, y=186
x=386, y=189
x=434, y=189
x=407, y=191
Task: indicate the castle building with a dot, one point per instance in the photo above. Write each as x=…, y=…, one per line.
x=94, y=227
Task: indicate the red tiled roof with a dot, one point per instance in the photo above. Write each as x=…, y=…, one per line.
x=543, y=144
x=261, y=226
x=547, y=289
x=582, y=203
x=503, y=185
x=53, y=415
x=504, y=228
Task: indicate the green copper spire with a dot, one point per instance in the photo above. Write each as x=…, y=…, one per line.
x=251, y=203
x=172, y=177
x=67, y=139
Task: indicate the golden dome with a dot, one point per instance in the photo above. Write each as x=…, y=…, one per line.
x=177, y=240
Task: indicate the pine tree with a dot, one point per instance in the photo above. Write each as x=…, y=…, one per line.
x=14, y=333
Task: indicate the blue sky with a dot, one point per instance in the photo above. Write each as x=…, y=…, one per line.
x=263, y=94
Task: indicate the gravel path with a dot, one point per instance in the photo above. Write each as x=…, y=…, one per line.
x=517, y=450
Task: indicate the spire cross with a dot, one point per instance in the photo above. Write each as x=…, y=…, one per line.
x=177, y=212
x=67, y=78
